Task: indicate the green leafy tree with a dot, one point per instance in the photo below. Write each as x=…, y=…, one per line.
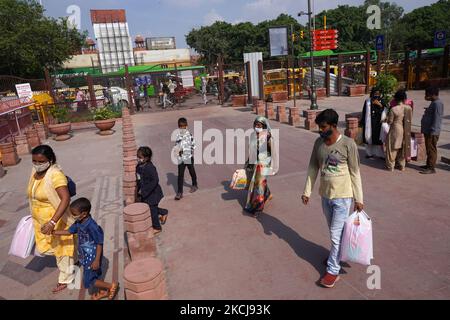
x=232, y=41
x=30, y=41
x=416, y=29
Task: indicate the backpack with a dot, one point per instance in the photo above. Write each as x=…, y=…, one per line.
x=71, y=185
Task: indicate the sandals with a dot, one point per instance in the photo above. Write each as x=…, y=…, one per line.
x=100, y=295
x=163, y=219
x=59, y=287
x=110, y=294
x=113, y=291
x=156, y=231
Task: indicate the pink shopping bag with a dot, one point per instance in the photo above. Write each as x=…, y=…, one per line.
x=23, y=239
x=357, y=242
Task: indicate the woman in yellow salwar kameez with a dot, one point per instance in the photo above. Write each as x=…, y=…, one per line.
x=49, y=201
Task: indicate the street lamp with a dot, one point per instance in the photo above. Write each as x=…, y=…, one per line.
x=314, y=105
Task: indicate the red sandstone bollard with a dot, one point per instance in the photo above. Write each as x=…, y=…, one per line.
x=32, y=138
x=42, y=131
x=141, y=245
x=144, y=280
x=258, y=105
x=22, y=146
x=310, y=123
x=281, y=114
x=129, y=164
x=270, y=112
x=421, y=148
x=137, y=218
x=352, y=128
x=357, y=115
x=260, y=110
x=129, y=188
x=294, y=117
x=9, y=154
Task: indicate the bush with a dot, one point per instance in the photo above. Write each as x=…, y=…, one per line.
x=387, y=84
x=59, y=113
x=103, y=113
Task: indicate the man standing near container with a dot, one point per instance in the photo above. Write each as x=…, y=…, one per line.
x=431, y=127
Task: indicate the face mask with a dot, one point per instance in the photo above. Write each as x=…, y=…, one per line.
x=259, y=130
x=183, y=131
x=376, y=98
x=41, y=167
x=141, y=161
x=326, y=134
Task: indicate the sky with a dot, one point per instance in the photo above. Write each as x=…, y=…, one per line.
x=175, y=18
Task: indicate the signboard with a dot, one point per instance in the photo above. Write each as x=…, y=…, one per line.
x=24, y=92
x=278, y=37
x=187, y=78
x=440, y=39
x=379, y=42
x=325, y=39
x=160, y=43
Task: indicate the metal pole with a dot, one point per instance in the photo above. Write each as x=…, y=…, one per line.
x=17, y=122
x=293, y=64
x=314, y=105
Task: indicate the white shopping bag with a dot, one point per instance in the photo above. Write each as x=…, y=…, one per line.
x=384, y=131
x=357, y=241
x=239, y=180
x=23, y=239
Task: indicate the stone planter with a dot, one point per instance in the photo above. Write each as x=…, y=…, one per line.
x=356, y=90
x=239, y=100
x=279, y=96
x=105, y=126
x=61, y=131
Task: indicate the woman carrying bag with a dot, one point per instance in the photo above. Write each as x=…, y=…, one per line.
x=49, y=200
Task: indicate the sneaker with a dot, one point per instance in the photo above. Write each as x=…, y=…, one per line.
x=424, y=167
x=329, y=280
x=193, y=189
x=428, y=171
x=178, y=196
x=369, y=157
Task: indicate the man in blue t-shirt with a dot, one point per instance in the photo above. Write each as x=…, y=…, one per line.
x=90, y=249
x=431, y=127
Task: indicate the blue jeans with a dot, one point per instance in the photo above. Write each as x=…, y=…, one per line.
x=336, y=212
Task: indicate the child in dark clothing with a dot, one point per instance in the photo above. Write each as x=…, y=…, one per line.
x=149, y=190
x=90, y=249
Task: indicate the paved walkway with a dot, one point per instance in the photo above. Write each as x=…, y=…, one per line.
x=213, y=251
x=95, y=164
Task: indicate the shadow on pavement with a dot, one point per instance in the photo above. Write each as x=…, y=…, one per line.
x=231, y=194
x=306, y=250
x=172, y=179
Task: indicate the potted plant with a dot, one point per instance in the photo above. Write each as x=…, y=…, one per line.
x=104, y=120
x=63, y=126
x=387, y=84
x=239, y=95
